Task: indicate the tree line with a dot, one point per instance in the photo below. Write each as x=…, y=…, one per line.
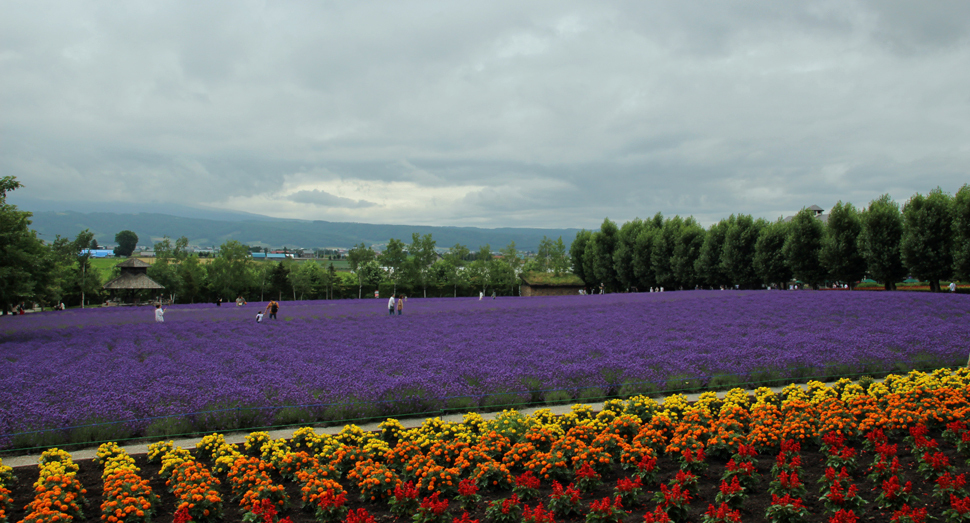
x=61, y=270
x=928, y=238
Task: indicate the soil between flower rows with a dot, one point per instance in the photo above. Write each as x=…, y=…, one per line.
x=753, y=510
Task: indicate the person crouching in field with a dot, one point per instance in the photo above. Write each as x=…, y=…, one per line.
x=159, y=313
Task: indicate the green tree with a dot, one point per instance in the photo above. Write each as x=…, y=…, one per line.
x=280, y=280
x=543, y=258
x=423, y=255
x=127, y=241
x=879, y=241
x=558, y=259
x=263, y=277
x=708, y=266
x=306, y=278
x=22, y=277
x=769, y=257
x=737, y=254
x=230, y=273
x=81, y=280
x=664, y=243
x=394, y=257
x=803, y=246
x=192, y=277
x=358, y=256
x=840, y=247
x=511, y=264
x=602, y=249
x=643, y=254
x=927, y=232
x=686, y=251
x=626, y=246
x=163, y=269
x=371, y=273
x=481, y=269
x=577, y=253
x=453, y=266
x=961, y=233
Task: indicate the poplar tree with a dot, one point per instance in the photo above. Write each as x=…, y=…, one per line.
x=769, y=257
x=840, y=253
x=737, y=255
x=927, y=232
x=708, y=264
x=803, y=246
x=879, y=239
x=961, y=233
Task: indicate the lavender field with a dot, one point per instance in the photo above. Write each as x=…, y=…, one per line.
x=209, y=367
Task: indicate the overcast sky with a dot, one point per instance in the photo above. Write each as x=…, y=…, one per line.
x=491, y=114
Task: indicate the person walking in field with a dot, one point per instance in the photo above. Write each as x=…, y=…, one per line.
x=390, y=305
x=953, y=286
x=400, y=305
x=273, y=308
x=159, y=313
x=259, y=317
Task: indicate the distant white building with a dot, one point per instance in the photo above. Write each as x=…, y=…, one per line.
x=817, y=211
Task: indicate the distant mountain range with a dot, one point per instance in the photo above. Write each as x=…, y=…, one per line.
x=270, y=232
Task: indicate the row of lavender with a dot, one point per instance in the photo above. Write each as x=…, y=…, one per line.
x=67, y=369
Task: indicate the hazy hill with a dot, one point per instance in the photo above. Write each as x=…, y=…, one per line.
x=272, y=232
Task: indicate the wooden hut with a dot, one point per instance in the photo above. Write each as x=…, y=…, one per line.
x=132, y=280
x=548, y=284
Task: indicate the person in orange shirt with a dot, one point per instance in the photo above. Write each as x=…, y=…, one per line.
x=273, y=308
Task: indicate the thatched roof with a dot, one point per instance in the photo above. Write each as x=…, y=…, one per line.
x=129, y=280
x=134, y=263
x=548, y=279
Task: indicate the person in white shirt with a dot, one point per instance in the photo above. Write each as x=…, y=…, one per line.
x=481, y=294
x=159, y=314
x=953, y=286
x=390, y=305
x=259, y=317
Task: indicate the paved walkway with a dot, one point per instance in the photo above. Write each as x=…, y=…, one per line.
x=238, y=437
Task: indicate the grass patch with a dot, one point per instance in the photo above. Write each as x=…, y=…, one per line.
x=350, y=410
x=535, y=388
x=724, y=382
x=230, y=417
x=461, y=404
x=100, y=430
x=548, y=278
x=631, y=388
x=414, y=400
x=764, y=377
x=557, y=397
x=504, y=400
x=590, y=394
x=170, y=426
x=683, y=383
x=293, y=416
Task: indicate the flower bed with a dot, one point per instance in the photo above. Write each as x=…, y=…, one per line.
x=214, y=368
x=894, y=451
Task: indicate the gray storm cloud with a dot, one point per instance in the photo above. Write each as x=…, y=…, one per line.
x=549, y=114
x=325, y=199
